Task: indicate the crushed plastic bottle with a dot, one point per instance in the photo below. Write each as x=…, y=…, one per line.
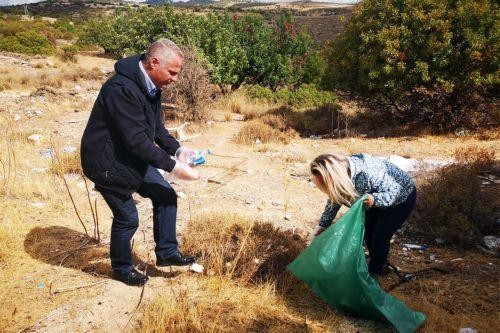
x=199, y=157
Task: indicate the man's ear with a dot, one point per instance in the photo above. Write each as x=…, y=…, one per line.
x=154, y=62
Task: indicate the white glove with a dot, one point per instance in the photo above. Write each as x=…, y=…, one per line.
x=185, y=155
x=318, y=230
x=184, y=172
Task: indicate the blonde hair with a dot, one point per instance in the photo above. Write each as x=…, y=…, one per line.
x=331, y=174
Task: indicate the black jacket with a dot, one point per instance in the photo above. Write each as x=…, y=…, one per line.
x=125, y=132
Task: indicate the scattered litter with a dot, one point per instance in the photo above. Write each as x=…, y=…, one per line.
x=257, y=141
x=316, y=137
x=415, y=247
x=17, y=117
x=196, y=268
x=248, y=202
x=467, y=330
x=181, y=195
x=457, y=259
x=432, y=257
x=49, y=152
x=440, y=241
x=288, y=217
x=40, y=285
x=68, y=150
x=492, y=243
x=291, y=230
x=40, y=170
x=36, y=139
x=38, y=204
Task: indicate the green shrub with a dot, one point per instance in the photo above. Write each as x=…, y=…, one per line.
x=419, y=53
x=452, y=202
x=305, y=96
x=28, y=42
x=238, y=49
x=68, y=53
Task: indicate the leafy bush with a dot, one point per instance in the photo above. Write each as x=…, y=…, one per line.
x=453, y=204
x=32, y=37
x=238, y=48
x=438, y=52
x=68, y=53
x=305, y=96
x=27, y=42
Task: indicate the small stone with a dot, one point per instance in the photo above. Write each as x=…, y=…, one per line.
x=36, y=139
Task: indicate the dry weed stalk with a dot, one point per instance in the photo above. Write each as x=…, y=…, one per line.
x=9, y=162
x=60, y=166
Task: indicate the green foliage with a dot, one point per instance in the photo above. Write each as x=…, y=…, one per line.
x=68, y=53
x=305, y=96
x=390, y=47
x=32, y=37
x=28, y=42
x=236, y=49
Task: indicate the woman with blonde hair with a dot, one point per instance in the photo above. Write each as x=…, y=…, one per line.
x=391, y=197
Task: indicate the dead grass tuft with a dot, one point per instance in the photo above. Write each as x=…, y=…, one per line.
x=454, y=204
x=257, y=129
x=221, y=305
x=64, y=163
x=248, y=250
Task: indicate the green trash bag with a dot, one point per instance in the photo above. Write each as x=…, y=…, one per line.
x=334, y=267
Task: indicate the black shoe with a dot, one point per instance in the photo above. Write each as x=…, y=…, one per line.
x=132, y=278
x=177, y=259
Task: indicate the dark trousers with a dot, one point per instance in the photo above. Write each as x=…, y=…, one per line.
x=126, y=220
x=380, y=226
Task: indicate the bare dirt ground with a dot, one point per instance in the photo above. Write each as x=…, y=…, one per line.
x=40, y=281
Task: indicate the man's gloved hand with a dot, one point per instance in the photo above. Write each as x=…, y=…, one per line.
x=318, y=230
x=185, y=172
x=185, y=154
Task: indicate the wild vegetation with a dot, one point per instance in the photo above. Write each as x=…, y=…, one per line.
x=266, y=99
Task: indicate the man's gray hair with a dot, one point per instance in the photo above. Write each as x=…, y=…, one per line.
x=163, y=49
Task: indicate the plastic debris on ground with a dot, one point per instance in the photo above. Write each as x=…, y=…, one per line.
x=334, y=267
x=415, y=247
x=197, y=268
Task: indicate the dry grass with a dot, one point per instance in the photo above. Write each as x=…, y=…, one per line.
x=249, y=250
x=64, y=163
x=257, y=129
x=453, y=204
x=238, y=103
x=221, y=305
x=6, y=243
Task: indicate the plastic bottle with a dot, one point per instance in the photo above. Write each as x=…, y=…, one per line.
x=199, y=157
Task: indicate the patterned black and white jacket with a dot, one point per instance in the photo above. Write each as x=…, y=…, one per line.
x=388, y=184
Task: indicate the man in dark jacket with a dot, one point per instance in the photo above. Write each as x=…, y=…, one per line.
x=124, y=144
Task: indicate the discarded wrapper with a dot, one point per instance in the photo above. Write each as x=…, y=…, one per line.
x=196, y=268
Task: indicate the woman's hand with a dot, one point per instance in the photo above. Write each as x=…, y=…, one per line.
x=369, y=201
x=185, y=172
